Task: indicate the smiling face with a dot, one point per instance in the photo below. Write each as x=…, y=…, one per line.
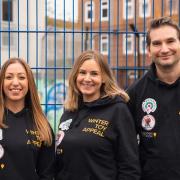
x=89, y=80
x=164, y=48
x=15, y=85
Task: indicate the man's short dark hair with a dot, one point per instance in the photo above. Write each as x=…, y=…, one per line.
x=159, y=22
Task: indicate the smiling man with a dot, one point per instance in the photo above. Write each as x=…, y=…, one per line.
x=155, y=103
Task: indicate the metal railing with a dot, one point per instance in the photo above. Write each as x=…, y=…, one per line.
x=50, y=34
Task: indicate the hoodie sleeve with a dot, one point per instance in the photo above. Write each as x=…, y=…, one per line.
x=127, y=146
x=46, y=161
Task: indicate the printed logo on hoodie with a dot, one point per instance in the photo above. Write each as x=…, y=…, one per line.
x=96, y=126
x=65, y=125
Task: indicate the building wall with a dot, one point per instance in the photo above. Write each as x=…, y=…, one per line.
x=27, y=44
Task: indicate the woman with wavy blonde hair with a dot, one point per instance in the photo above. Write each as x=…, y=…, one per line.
x=108, y=88
x=26, y=138
x=96, y=137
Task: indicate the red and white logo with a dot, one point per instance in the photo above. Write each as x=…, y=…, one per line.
x=148, y=122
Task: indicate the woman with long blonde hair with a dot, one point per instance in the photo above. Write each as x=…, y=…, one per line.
x=96, y=138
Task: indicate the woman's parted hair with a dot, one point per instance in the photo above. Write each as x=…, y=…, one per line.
x=108, y=88
x=31, y=101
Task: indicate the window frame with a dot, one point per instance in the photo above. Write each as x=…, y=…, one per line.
x=104, y=40
x=87, y=9
x=128, y=38
x=104, y=7
x=130, y=4
x=13, y=38
x=6, y=24
x=142, y=47
x=11, y=14
x=141, y=8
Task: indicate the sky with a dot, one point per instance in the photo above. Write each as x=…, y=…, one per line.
x=60, y=9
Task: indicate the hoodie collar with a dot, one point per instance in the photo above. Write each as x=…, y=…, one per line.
x=153, y=76
x=100, y=102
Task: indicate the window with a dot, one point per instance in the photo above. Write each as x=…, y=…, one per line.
x=90, y=44
x=128, y=9
x=128, y=43
x=7, y=10
x=104, y=44
x=6, y=36
x=143, y=44
x=144, y=8
x=89, y=11
x=104, y=10
x=89, y=41
x=8, y=15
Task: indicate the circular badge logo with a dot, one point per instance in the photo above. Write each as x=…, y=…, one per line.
x=1, y=151
x=148, y=122
x=149, y=105
x=59, y=137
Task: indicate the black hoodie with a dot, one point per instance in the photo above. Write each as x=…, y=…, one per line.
x=99, y=143
x=155, y=106
x=25, y=156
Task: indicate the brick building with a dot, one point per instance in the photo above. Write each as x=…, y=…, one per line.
x=117, y=28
